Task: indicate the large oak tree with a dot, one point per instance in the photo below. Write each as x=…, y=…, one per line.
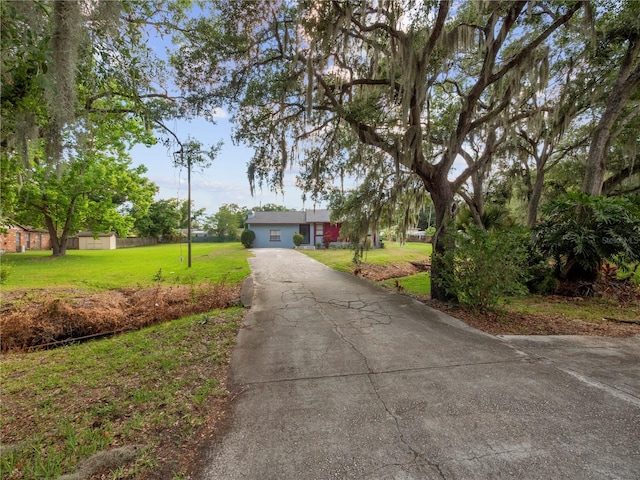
x=414, y=80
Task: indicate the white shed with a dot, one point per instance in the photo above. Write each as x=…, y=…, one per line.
x=104, y=241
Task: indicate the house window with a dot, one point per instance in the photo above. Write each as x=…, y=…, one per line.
x=319, y=230
x=274, y=235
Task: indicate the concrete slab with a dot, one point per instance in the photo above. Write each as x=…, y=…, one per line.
x=609, y=363
x=340, y=379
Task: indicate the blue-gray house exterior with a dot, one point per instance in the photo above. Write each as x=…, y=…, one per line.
x=276, y=229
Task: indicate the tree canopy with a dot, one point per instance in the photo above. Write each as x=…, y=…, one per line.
x=425, y=84
x=483, y=106
x=79, y=87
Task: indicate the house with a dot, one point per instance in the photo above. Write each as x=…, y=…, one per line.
x=104, y=241
x=19, y=238
x=276, y=229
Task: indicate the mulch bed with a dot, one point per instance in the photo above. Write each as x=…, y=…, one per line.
x=378, y=273
x=517, y=323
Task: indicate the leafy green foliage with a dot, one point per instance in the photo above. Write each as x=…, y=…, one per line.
x=247, y=238
x=95, y=191
x=5, y=272
x=486, y=266
x=271, y=207
x=78, y=90
x=162, y=219
x=495, y=216
x=226, y=221
x=583, y=231
x=297, y=239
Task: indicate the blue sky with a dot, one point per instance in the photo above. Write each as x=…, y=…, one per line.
x=224, y=182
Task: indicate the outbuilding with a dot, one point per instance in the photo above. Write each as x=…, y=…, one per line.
x=96, y=241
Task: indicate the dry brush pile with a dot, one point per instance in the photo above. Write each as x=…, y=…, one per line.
x=47, y=318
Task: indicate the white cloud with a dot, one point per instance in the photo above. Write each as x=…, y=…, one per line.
x=218, y=113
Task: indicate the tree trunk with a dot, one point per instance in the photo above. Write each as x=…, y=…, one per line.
x=442, y=196
x=58, y=242
x=534, y=198
x=625, y=85
x=596, y=162
x=616, y=180
x=475, y=208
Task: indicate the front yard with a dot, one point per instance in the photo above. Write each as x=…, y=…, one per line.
x=127, y=405
x=394, y=268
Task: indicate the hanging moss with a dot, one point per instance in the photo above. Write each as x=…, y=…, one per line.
x=64, y=42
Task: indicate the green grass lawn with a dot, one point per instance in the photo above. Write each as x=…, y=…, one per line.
x=418, y=285
x=150, y=388
x=342, y=259
x=141, y=266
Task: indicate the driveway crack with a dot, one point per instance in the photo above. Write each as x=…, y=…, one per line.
x=418, y=457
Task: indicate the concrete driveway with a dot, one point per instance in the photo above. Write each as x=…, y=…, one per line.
x=342, y=380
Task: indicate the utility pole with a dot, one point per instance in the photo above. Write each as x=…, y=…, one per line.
x=194, y=153
x=189, y=211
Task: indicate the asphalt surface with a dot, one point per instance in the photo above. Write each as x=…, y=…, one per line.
x=339, y=379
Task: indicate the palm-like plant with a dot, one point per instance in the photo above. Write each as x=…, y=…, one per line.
x=581, y=232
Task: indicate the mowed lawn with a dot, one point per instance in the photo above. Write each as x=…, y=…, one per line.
x=392, y=253
x=141, y=266
x=342, y=259
x=136, y=397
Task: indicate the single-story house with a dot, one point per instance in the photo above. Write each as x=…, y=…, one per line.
x=104, y=241
x=276, y=229
x=19, y=238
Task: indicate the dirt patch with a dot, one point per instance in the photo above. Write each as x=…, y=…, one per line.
x=502, y=322
x=48, y=318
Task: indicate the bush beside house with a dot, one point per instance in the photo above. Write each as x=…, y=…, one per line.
x=247, y=238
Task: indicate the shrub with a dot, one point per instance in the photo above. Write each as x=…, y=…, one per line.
x=484, y=267
x=247, y=238
x=5, y=271
x=297, y=239
x=581, y=232
x=542, y=280
x=326, y=240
